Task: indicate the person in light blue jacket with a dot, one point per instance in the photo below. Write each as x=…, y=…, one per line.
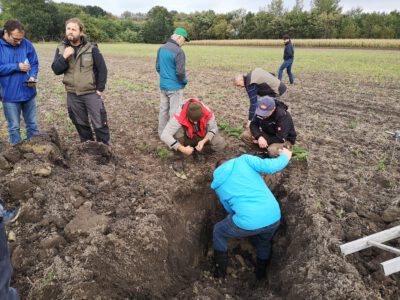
x=18, y=74
x=252, y=209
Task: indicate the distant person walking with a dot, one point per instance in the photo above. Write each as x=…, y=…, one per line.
x=170, y=66
x=18, y=73
x=85, y=77
x=288, y=57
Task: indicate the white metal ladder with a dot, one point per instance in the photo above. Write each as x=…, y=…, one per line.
x=377, y=240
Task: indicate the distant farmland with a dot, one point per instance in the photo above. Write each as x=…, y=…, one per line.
x=334, y=43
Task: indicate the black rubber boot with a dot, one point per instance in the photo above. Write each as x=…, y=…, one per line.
x=220, y=263
x=261, y=268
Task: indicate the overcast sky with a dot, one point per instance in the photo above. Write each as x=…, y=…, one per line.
x=117, y=7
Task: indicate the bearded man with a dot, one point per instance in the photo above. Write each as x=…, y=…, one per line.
x=85, y=77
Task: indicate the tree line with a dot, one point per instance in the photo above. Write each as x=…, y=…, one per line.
x=44, y=21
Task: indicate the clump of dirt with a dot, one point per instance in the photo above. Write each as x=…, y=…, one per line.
x=116, y=222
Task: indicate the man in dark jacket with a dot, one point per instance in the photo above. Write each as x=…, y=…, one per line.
x=85, y=77
x=18, y=74
x=271, y=128
x=170, y=66
x=288, y=57
x=259, y=83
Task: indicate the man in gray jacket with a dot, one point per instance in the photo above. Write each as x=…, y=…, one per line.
x=192, y=129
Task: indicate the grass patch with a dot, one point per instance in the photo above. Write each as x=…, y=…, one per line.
x=381, y=164
x=162, y=152
x=299, y=153
x=231, y=131
x=354, y=123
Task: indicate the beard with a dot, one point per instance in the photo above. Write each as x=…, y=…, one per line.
x=73, y=39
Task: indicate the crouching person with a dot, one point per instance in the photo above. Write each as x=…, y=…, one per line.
x=271, y=129
x=193, y=129
x=252, y=209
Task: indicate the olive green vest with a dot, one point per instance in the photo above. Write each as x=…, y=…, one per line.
x=79, y=77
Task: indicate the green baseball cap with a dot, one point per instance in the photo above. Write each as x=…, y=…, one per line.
x=182, y=31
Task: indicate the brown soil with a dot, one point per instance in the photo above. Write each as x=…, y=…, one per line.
x=117, y=223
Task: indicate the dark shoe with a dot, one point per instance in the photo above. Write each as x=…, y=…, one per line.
x=10, y=215
x=261, y=268
x=220, y=263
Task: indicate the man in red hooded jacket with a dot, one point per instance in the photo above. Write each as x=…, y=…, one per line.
x=192, y=129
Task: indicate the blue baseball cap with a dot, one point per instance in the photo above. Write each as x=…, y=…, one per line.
x=265, y=106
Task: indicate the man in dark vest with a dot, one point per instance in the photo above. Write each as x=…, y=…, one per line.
x=85, y=77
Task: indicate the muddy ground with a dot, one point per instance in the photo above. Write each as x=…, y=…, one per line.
x=117, y=223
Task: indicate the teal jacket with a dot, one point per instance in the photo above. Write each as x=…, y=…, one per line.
x=243, y=192
x=170, y=65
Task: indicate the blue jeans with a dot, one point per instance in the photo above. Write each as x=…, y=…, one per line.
x=12, y=112
x=6, y=293
x=287, y=64
x=261, y=238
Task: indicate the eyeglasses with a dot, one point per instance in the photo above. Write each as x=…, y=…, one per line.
x=16, y=40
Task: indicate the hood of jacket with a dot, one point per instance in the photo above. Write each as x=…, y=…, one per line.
x=222, y=173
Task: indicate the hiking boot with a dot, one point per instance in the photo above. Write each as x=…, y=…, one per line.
x=220, y=263
x=11, y=215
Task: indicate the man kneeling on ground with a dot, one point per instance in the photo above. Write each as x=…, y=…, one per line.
x=193, y=129
x=271, y=128
x=252, y=209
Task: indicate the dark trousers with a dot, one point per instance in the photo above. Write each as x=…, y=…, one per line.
x=80, y=108
x=287, y=64
x=6, y=292
x=261, y=238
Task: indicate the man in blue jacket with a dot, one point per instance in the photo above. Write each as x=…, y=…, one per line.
x=171, y=67
x=18, y=74
x=252, y=209
x=288, y=57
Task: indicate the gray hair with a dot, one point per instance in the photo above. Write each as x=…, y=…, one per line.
x=175, y=36
x=237, y=78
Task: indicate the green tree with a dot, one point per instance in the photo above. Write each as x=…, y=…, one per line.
x=220, y=29
x=299, y=6
x=276, y=8
x=202, y=22
x=159, y=25
x=326, y=6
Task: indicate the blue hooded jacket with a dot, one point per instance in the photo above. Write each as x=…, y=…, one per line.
x=12, y=87
x=243, y=192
